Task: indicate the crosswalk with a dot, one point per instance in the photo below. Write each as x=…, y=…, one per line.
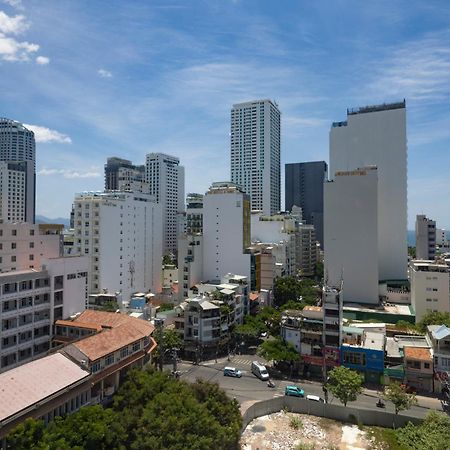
x=242, y=361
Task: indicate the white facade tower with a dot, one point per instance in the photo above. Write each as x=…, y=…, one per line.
x=351, y=234
x=255, y=153
x=376, y=136
x=226, y=231
x=165, y=178
x=17, y=172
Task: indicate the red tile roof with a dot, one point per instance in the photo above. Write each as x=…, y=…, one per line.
x=417, y=353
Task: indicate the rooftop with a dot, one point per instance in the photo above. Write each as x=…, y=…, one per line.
x=24, y=386
x=439, y=331
x=373, y=340
x=376, y=108
x=417, y=353
x=119, y=330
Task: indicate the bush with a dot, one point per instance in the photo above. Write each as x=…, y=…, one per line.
x=295, y=422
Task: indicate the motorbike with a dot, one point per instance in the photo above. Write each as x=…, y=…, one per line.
x=380, y=404
x=271, y=384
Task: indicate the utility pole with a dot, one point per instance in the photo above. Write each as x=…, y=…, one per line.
x=159, y=324
x=175, y=362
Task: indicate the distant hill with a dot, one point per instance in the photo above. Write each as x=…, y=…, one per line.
x=43, y=219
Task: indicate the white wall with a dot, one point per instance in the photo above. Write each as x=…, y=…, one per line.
x=379, y=138
x=223, y=223
x=351, y=235
x=429, y=289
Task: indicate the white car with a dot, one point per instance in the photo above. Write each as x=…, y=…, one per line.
x=315, y=398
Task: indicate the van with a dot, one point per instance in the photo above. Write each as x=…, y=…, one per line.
x=315, y=398
x=260, y=371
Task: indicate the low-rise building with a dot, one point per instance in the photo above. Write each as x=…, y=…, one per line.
x=117, y=343
x=430, y=287
x=419, y=368
x=439, y=336
x=364, y=352
x=43, y=389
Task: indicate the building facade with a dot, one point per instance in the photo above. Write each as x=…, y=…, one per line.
x=425, y=238
x=165, y=178
x=194, y=213
x=122, y=175
x=17, y=172
x=351, y=234
x=31, y=300
x=255, y=153
x=121, y=232
x=304, y=188
x=376, y=136
x=430, y=290
x=226, y=231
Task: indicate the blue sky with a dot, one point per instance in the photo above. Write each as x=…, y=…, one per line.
x=124, y=78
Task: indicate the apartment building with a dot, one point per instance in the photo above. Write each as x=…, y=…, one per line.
x=255, y=153
x=121, y=233
x=17, y=172
x=194, y=213
x=304, y=188
x=439, y=336
x=425, y=238
x=165, y=178
x=31, y=300
x=430, y=287
x=24, y=245
x=226, y=231
x=190, y=263
x=122, y=175
x=418, y=364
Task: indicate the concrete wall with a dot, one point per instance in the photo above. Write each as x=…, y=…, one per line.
x=351, y=235
x=335, y=412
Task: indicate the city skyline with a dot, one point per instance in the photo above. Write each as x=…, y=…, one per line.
x=136, y=78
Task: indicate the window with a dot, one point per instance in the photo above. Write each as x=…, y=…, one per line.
x=426, y=365
x=355, y=358
x=96, y=367
x=413, y=364
x=109, y=360
x=124, y=352
x=31, y=244
x=31, y=232
x=14, y=232
x=13, y=258
x=31, y=257
x=136, y=346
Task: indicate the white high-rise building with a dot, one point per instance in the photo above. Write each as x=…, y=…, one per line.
x=425, y=237
x=226, y=231
x=17, y=172
x=351, y=234
x=255, y=153
x=165, y=178
x=376, y=136
x=122, y=234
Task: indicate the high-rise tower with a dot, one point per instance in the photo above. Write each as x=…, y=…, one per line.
x=165, y=178
x=255, y=153
x=17, y=172
x=376, y=136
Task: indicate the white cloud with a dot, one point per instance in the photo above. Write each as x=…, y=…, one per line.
x=42, y=60
x=13, y=25
x=104, y=73
x=12, y=49
x=43, y=134
x=419, y=70
x=93, y=172
x=14, y=3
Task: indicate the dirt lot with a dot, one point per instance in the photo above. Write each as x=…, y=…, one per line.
x=289, y=431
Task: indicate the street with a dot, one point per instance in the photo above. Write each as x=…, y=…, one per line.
x=249, y=387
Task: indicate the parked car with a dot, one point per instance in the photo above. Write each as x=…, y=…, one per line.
x=315, y=398
x=232, y=372
x=294, y=391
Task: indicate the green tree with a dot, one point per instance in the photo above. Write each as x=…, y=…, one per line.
x=277, y=350
x=27, y=435
x=167, y=260
x=111, y=306
x=432, y=434
x=167, y=340
x=345, y=384
x=396, y=393
x=412, y=252
x=270, y=318
x=434, y=318
x=285, y=289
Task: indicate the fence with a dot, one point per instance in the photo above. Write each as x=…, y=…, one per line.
x=336, y=412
